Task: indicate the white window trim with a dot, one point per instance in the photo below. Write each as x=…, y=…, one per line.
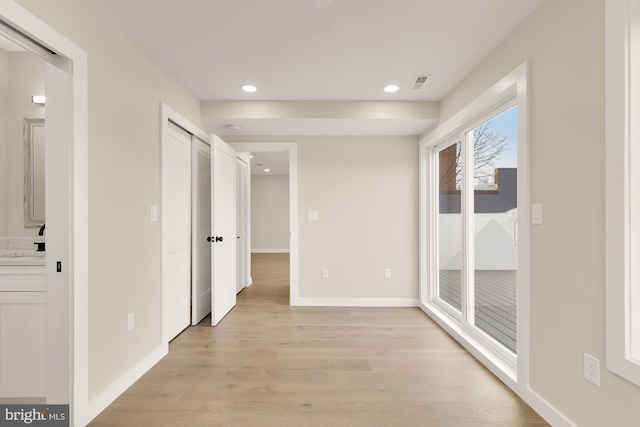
x=503, y=365
x=622, y=19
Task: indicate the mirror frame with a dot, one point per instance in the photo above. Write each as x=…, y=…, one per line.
x=28, y=138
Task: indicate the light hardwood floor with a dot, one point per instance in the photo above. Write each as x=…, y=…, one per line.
x=269, y=364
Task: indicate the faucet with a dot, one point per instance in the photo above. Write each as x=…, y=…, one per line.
x=40, y=242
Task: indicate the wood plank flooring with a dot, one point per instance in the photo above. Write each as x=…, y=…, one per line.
x=269, y=364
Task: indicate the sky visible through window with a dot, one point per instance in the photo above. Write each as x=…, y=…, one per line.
x=507, y=124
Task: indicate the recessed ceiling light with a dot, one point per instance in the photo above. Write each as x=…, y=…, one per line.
x=391, y=88
x=233, y=127
x=249, y=88
x=267, y=170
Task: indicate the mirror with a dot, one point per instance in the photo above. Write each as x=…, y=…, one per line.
x=34, y=213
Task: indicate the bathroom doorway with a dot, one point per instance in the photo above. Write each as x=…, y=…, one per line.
x=67, y=232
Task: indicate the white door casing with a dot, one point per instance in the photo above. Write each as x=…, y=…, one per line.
x=176, y=230
x=223, y=226
x=201, y=229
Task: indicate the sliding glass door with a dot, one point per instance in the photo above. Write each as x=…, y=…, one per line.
x=495, y=218
x=476, y=227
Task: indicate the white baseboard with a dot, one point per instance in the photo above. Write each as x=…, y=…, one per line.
x=106, y=398
x=355, y=302
x=546, y=410
x=269, y=251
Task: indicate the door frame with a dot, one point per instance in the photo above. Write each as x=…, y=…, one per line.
x=168, y=114
x=292, y=148
x=67, y=310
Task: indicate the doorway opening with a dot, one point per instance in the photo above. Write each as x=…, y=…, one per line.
x=272, y=152
x=66, y=260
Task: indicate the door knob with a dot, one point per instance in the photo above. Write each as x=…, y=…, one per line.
x=219, y=238
x=209, y=239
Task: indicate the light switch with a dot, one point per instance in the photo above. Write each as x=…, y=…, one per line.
x=154, y=213
x=536, y=213
x=312, y=216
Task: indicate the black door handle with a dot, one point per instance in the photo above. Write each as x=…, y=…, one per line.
x=219, y=238
x=209, y=239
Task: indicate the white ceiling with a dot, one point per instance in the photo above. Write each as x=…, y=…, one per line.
x=293, y=51
x=276, y=161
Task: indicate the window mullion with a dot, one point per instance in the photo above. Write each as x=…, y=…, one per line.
x=468, y=309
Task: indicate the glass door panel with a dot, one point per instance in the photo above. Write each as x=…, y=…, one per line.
x=450, y=226
x=495, y=217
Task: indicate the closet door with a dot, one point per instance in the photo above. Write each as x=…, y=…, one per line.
x=176, y=230
x=223, y=225
x=201, y=230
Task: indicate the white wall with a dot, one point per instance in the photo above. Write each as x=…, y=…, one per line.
x=270, y=213
x=564, y=42
x=366, y=192
x=4, y=172
x=26, y=78
x=125, y=91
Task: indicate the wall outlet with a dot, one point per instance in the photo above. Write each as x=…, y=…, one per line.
x=325, y=273
x=592, y=369
x=313, y=216
x=130, y=322
x=387, y=273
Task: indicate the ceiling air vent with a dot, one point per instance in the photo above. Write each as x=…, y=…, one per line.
x=418, y=82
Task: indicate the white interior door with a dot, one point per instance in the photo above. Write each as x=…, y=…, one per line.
x=223, y=226
x=176, y=230
x=201, y=230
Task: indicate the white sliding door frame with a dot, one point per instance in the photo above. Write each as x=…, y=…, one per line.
x=497, y=99
x=292, y=148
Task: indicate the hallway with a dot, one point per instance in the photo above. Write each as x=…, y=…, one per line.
x=269, y=364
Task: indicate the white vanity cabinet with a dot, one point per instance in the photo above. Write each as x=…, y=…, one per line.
x=23, y=344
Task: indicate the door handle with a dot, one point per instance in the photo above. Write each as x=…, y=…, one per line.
x=209, y=238
x=219, y=239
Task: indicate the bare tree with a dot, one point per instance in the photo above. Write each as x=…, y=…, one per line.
x=487, y=147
